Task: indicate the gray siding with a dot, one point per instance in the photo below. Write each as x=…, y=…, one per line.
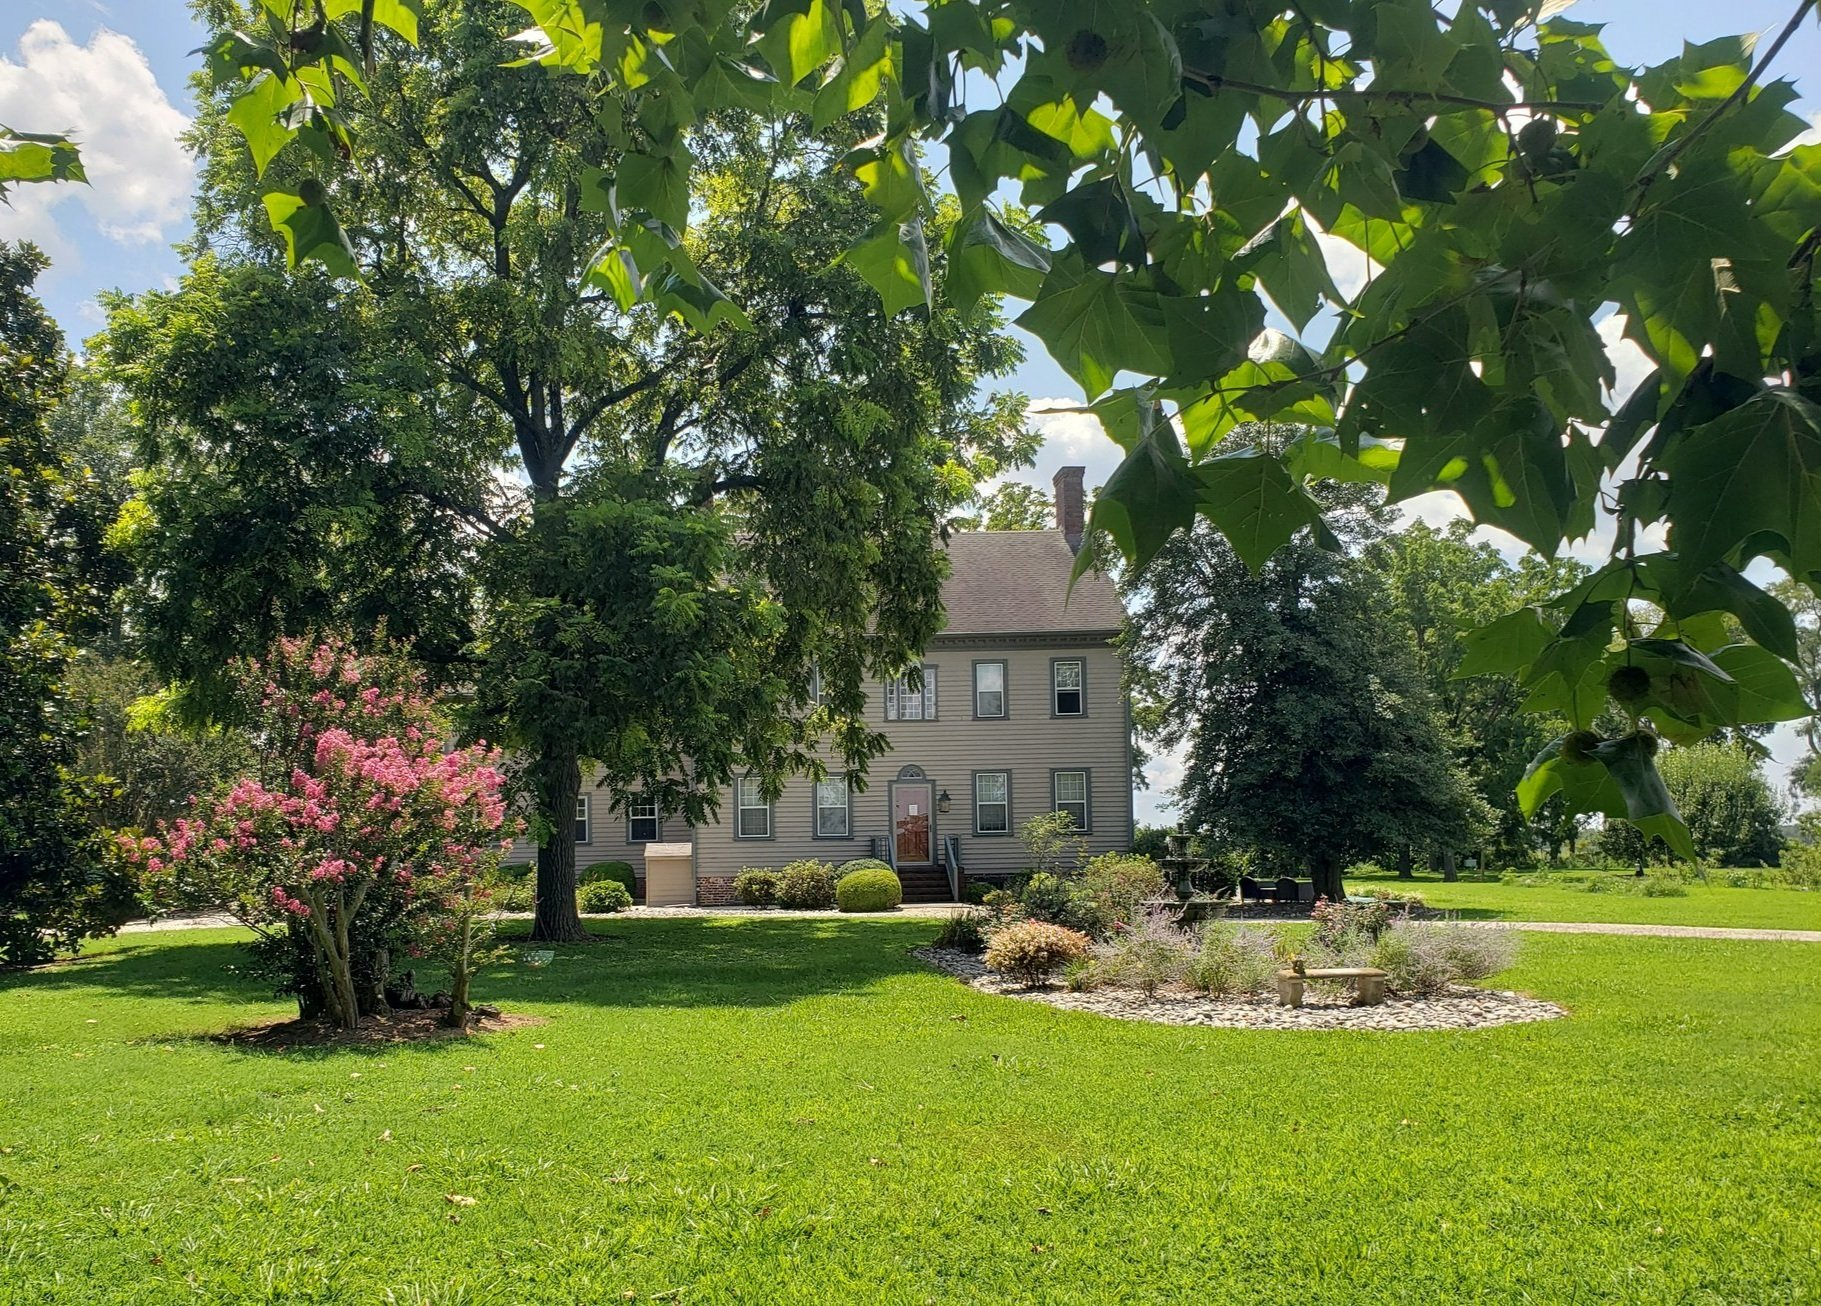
x=1029, y=742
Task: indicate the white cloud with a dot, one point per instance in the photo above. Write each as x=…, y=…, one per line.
x=139, y=175
x=1813, y=135
x=1072, y=437
x=1630, y=363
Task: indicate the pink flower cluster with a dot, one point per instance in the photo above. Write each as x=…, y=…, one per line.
x=364, y=801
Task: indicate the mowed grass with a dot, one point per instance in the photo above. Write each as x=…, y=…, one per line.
x=795, y=1111
x=1705, y=904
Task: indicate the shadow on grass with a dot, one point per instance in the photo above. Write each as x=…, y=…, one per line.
x=151, y=966
x=674, y=963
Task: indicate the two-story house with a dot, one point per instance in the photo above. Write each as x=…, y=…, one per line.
x=1021, y=710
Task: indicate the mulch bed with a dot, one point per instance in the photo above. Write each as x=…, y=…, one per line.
x=399, y=1027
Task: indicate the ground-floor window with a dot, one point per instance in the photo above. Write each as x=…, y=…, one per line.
x=831, y=809
x=1070, y=790
x=752, y=820
x=992, y=802
x=641, y=821
x=581, y=818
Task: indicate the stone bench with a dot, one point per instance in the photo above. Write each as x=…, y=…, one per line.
x=1367, y=982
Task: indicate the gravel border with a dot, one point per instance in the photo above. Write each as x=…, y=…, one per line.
x=1460, y=1008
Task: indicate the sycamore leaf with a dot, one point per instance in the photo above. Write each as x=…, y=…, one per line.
x=1149, y=497
x=1754, y=469
x=1504, y=647
x=987, y=257
x=259, y=113
x=30, y=156
x=1095, y=325
x=856, y=83
x=310, y=232
x=799, y=38
x=658, y=184
x=1630, y=761
x=893, y=258
x=1585, y=785
x=1766, y=687
x=1252, y=500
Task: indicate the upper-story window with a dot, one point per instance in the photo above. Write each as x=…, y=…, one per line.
x=1068, y=679
x=642, y=824
x=581, y=818
x=989, y=689
x=815, y=684
x=908, y=700
x=831, y=809
x=752, y=817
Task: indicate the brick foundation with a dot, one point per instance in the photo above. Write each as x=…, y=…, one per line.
x=714, y=891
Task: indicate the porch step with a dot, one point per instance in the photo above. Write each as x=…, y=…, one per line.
x=924, y=884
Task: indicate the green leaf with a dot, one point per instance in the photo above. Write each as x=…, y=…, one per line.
x=310, y=232
x=987, y=257
x=1290, y=265
x=894, y=260
x=1756, y=469
x=1585, y=786
x=29, y=156
x=887, y=171
x=1149, y=497
x=658, y=184
x=1767, y=688
x=258, y=113
x=400, y=16
x=856, y=83
x=1209, y=335
x=1506, y=647
x=1096, y=325
x=1318, y=456
x=1631, y=763
x=799, y=37
x=1253, y=501
x=700, y=303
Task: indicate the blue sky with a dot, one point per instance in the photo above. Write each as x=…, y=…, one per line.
x=117, y=72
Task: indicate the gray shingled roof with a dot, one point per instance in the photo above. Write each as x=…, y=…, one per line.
x=1017, y=583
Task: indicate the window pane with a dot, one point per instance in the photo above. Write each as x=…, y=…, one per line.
x=831, y=808
x=989, y=689
x=755, y=822
x=1068, y=675
x=910, y=702
x=989, y=787
x=990, y=818
x=1071, y=787
x=581, y=819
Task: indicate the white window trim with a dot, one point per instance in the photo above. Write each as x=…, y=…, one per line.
x=817, y=807
x=1004, y=692
x=584, y=813
x=1086, y=824
x=656, y=818
x=1056, y=664
x=897, y=690
x=741, y=807
x=1005, y=802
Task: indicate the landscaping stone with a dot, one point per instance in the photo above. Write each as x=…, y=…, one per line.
x=1325, y=1007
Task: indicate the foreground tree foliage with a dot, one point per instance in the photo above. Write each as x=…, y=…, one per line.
x=704, y=502
x=1307, y=732
x=1507, y=183
x=1734, y=817
x=57, y=883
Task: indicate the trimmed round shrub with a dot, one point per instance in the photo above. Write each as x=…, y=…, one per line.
x=873, y=888
x=1029, y=951
x=807, y=885
x=863, y=864
x=620, y=873
x=756, y=886
x=602, y=897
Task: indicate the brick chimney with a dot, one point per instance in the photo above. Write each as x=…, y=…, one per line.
x=1071, y=506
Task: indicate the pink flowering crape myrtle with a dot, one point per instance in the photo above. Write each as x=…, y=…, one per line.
x=361, y=814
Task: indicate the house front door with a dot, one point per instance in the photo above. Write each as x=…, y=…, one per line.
x=911, y=823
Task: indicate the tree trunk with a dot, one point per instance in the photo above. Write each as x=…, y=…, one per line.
x=559, y=785
x=1406, y=865
x=1450, y=871
x=1325, y=869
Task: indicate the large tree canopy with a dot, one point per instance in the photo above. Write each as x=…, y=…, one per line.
x=693, y=510
x=1196, y=170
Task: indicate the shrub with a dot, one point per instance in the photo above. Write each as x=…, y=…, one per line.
x=1080, y=976
x=620, y=873
x=1111, y=890
x=1052, y=843
x=871, y=889
x=999, y=898
x=1395, y=897
x=1046, y=897
x=1029, y=951
x=515, y=894
x=756, y=886
x=603, y=897
x=807, y=885
x=1234, y=959
x=1334, y=921
x=1662, y=886
x=863, y=864
x=1147, y=954
x=1424, y=958
x=966, y=931
x=977, y=892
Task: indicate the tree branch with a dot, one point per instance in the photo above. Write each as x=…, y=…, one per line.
x=1211, y=83
x=590, y=412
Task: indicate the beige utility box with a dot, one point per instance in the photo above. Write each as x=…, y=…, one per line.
x=670, y=875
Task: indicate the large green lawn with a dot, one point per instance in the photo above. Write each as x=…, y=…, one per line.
x=795, y=1111
x=1767, y=909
